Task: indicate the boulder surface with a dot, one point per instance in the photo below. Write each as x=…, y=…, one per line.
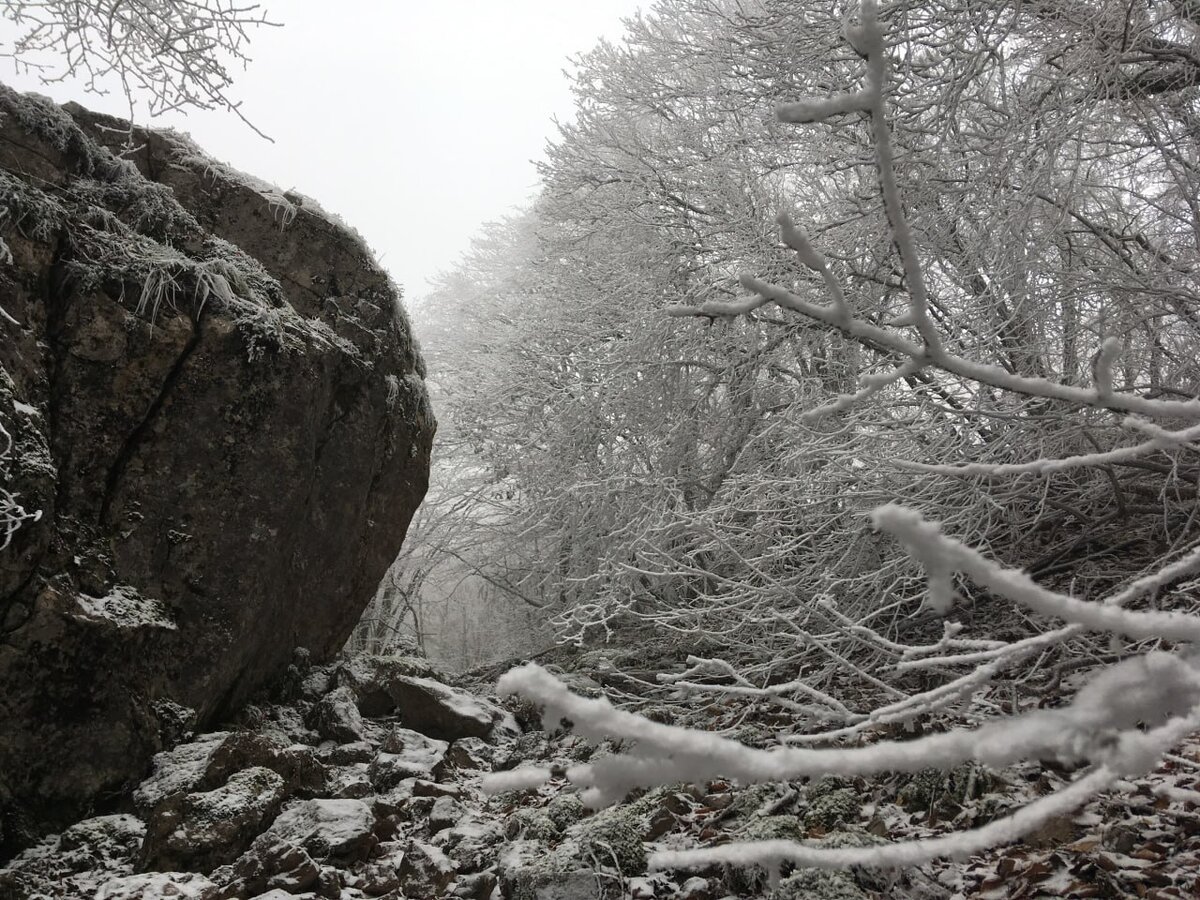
x=216, y=426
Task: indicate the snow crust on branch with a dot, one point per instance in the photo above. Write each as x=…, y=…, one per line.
x=1148, y=688
x=942, y=555
x=1162, y=440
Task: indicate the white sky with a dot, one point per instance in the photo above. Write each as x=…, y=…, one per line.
x=416, y=122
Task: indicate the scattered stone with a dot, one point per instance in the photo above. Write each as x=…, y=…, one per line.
x=695, y=888
x=210, y=761
x=445, y=813
x=423, y=788
x=351, y=783
x=159, y=886
x=207, y=829
x=472, y=842
x=370, y=678
x=468, y=754
x=377, y=878
x=327, y=829
x=271, y=863
x=426, y=871
x=347, y=754
x=335, y=717
x=405, y=754
x=475, y=887
x=177, y=771
x=388, y=770
x=76, y=862
x=441, y=711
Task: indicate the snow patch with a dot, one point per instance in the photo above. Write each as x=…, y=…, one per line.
x=124, y=607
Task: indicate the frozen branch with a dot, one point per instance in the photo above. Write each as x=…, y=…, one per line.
x=942, y=555
x=1145, y=689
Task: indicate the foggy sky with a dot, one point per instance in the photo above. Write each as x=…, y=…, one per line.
x=415, y=122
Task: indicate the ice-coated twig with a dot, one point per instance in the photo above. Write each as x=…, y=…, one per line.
x=1136, y=750
x=817, y=109
x=1144, y=689
x=869, y=385
x=796, y=238
x=1162, y=440
x=867, y=333
x=942, y=555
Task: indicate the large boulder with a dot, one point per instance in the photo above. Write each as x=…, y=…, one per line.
x=216, y=425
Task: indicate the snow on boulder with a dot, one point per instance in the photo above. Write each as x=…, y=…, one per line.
x=326, y=829
x=159, y=886
x=441, y=711
x=177, y=771
x=271, y=864
x=370, y=677
x=77, y=862
x=405, y=754
x=209, y=828
x=335, y=717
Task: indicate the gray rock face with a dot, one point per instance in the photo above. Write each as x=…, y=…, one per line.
x=216, y=406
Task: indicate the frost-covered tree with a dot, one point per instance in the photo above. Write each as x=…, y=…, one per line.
x=988, y=407
x=171, y=54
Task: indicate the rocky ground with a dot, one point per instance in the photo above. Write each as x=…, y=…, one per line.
x=362, y=779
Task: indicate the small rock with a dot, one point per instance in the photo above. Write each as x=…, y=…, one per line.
x=472, y=842
x=426, y=871
x=405, y=754
x=377, y=878
x=695, y=888
x=413, y=745
x=445, y=813
x=270, y=864
x=370, y=678
x=336, y=717
x=441, y=711
x=1120, y=838
x=387, y=770
x=423, y=788
x=475, y=887
x=347, y=754
x=467, y=755
x=340, y=830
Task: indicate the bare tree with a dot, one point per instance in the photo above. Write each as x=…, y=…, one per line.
x=960, y=391
x=173, y=53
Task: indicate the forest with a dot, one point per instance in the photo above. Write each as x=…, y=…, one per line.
x=846, y=365
x=767, y=289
